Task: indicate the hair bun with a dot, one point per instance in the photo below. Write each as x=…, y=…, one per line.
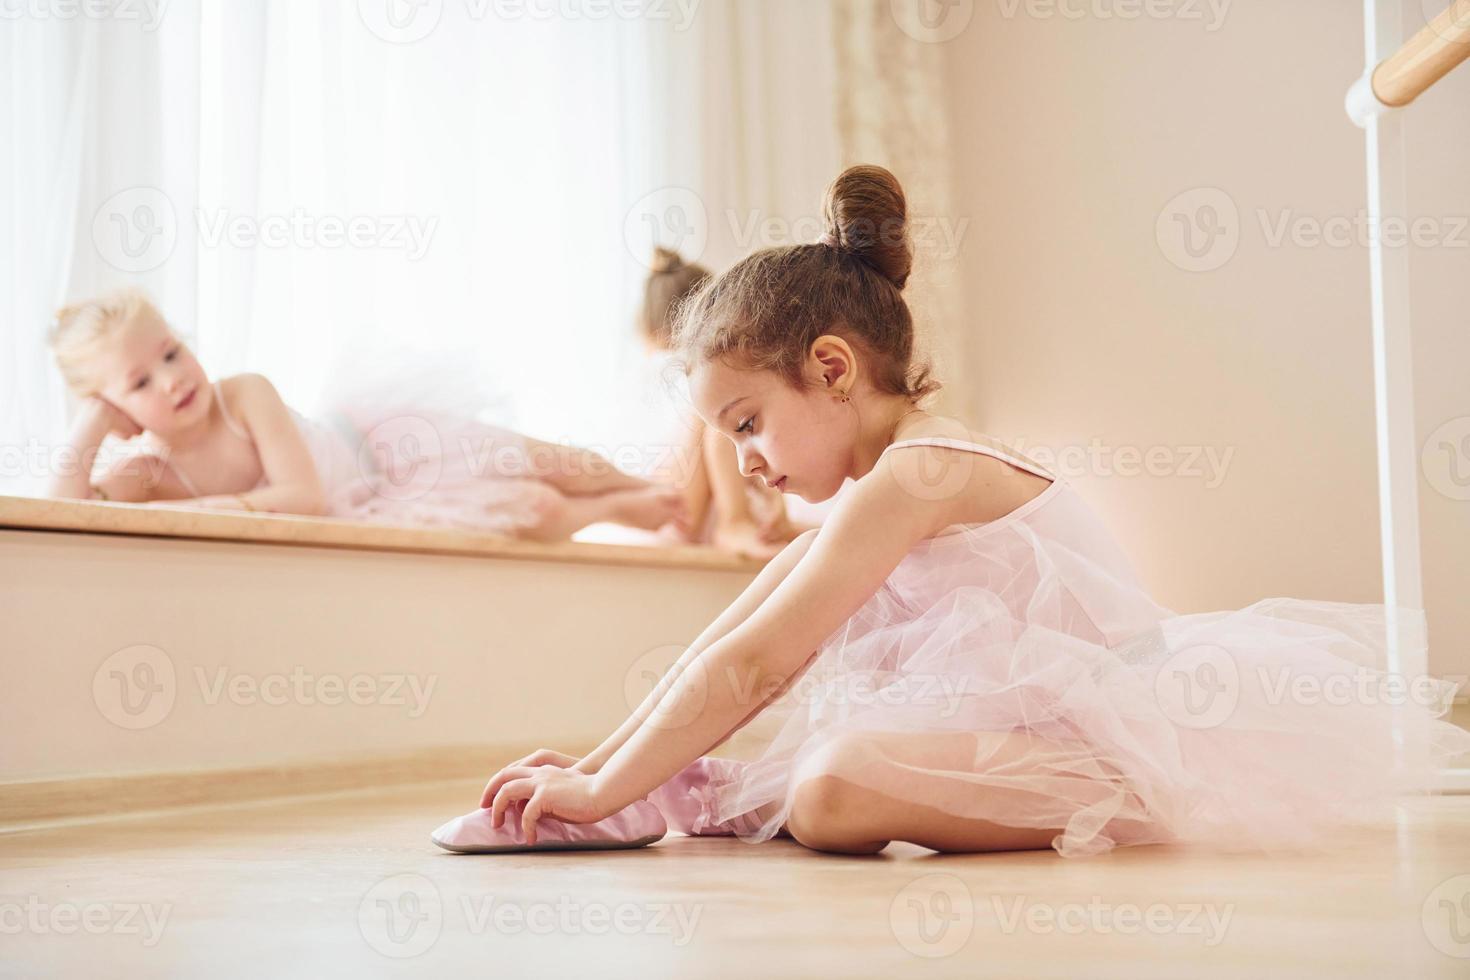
x=866, y=214
x=665, y=260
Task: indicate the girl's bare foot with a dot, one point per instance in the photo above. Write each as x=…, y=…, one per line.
x=747, y=539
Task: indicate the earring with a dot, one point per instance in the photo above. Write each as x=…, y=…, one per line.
x=844, y=397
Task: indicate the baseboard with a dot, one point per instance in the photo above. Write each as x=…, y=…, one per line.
x=39, y=803
x=1455, y=781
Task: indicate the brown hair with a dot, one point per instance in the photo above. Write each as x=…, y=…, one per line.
x=766, y=311
x=669, y=281
x=80, y=329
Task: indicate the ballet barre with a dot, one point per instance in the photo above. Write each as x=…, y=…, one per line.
x=1423, y=60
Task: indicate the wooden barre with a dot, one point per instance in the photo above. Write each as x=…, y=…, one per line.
x=1425, y=58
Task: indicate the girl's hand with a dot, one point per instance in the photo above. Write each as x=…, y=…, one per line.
x=565, y=794
x=101, y=416
x=541, y=757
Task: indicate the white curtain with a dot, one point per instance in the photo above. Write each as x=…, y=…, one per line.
x=298, y=184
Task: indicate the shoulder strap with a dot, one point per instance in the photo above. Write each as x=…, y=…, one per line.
x=231, y=422
x=178, y=471
x=975, y=447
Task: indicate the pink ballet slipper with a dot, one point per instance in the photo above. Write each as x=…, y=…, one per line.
x=635, y=825
x=687, y=802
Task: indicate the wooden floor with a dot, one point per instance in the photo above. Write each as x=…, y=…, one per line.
x=350, y=886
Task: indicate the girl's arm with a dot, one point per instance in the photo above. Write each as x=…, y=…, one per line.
x=736, y=613
x=95, y=419
x=876, y=523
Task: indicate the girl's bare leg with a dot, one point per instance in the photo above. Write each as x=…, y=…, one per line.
x=578, y=472
x=829, y=813
x=560, y=515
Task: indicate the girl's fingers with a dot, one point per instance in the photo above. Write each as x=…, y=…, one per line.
x=516, y=789
x=530, y=815
x=499, y=780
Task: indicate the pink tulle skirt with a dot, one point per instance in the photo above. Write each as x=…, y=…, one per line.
x=1017, y=673
x=404, y=452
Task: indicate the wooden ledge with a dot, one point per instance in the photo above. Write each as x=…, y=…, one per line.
x=97, y=517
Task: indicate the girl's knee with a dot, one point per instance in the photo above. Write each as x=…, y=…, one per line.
x=826, y=809
x=822, y=818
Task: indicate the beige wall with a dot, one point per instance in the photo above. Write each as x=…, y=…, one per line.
x=1071, y=137
x=128, y=654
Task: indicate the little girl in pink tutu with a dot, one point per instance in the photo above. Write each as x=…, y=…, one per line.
x=962, y=657
x=384, y=454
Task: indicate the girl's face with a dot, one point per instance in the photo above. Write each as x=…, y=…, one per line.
x=800, y=440
x=148, y=374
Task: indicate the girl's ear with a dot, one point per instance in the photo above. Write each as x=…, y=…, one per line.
x=832, y=364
